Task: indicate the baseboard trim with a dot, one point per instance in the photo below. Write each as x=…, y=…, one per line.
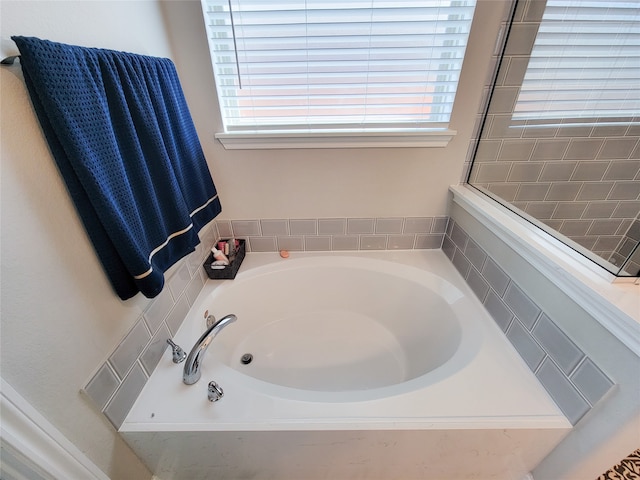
x=30, y=434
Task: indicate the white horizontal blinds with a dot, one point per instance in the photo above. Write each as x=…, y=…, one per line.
x=585, y=62
x=318, y=64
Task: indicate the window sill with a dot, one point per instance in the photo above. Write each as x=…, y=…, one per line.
x=355, y=139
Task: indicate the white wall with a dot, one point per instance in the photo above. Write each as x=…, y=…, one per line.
x=332, y=182
x=60, y=319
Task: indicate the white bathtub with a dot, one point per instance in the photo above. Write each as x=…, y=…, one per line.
x=387, y=355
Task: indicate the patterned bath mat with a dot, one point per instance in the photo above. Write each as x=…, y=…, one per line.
x=627, y=469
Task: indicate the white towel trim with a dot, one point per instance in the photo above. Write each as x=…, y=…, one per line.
x=173, y=235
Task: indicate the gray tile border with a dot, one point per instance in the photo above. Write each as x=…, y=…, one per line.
x=571, y=378
x=566, y=396
x=498, y=310
x=117, y=409
x=591, y=381
x=521, y=305
x=525, y=344
x=557, y=344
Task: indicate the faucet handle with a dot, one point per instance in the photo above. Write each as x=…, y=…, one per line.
x=215, y=392
x=178, y=353
x=211, y=320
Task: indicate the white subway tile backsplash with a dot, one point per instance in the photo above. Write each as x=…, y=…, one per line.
x=127, y=352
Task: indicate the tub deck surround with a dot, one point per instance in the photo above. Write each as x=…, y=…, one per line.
x=471, y=397
x=482, y=383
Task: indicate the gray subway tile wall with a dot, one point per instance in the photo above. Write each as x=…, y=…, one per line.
x=117, y=382
x=572, y=379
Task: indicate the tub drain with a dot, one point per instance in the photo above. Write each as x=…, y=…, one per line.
x=246, y=359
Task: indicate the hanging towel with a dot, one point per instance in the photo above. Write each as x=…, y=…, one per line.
x=120, y=131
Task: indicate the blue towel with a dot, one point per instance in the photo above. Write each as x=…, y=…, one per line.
x=121, y=134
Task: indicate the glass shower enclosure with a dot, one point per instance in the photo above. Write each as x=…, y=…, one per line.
x=559, y=143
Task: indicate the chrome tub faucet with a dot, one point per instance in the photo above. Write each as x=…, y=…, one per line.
x=194, y=360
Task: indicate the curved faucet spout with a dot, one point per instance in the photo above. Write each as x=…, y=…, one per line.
x=194, y=360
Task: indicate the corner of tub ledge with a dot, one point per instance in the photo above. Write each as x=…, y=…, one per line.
x=614, y=305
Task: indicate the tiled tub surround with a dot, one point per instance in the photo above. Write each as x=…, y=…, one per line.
x=326, y=234
x=572, y=379
x=119, y=380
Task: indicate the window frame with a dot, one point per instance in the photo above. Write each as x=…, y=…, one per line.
x=434, y=135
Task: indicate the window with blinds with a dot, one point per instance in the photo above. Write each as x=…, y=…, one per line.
x=337, y=66
x=585, y=63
